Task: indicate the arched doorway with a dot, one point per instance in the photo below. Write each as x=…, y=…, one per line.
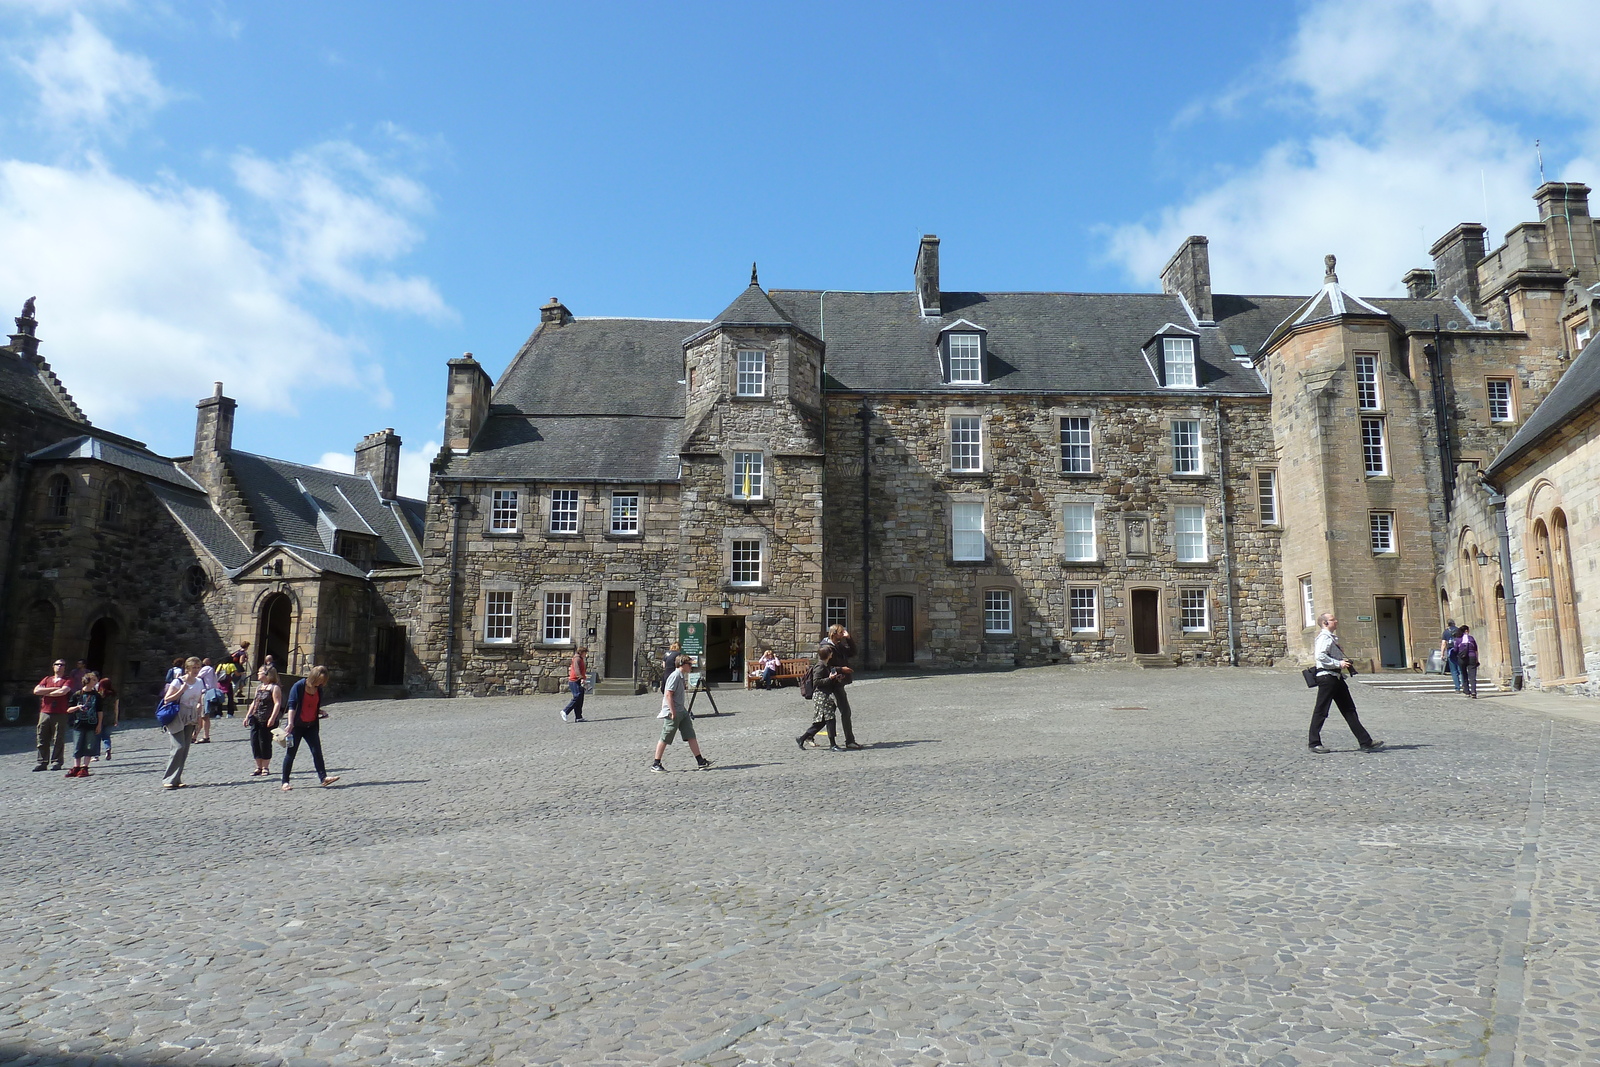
x=274, y=628
x=1541, y=596
x=1565, y=594
x=102, y=657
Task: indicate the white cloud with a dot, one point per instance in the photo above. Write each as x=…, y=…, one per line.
x=84, y=80
x=343, y=462
x=414, y=464
x=1403, y=107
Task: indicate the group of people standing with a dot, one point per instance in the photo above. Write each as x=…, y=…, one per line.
x=81, y=702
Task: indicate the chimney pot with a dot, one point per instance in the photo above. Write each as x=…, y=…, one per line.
x=554, y=312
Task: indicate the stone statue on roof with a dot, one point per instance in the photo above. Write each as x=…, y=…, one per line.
x=1329, y=261
x=27, y=308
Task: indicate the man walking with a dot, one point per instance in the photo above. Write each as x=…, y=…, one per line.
x=676, y=711
x=1331, y=688
x=1447, y=645
x=53, y=692
x=577, y=674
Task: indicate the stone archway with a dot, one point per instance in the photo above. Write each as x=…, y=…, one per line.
x=274, y=630
x=105, y=647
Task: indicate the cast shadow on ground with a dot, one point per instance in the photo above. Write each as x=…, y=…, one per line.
x=904, y=744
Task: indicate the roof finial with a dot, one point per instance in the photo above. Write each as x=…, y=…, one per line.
x=1329, y=261
x=753, y=280
x=27, y=308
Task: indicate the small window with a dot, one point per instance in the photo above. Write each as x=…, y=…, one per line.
x=1083, y=610
x=624, y=513
x=195, y=583
x=1382, y=526
x=1193, y=611
x=115, y=503
x=836, y=612
x=558, y=618
x=1186, y=446
x=966, y=531
x=966, y=443
x=966, y=358
x=1369, y=395
x=746, y=563
x=1077, y=450
x=997, y=611
x=1267, y=496
x=1177, y=358
x=1191, y=534
x=504, y=514
x=1374, y=450
x=58, y=496
x=752, y=373
x=1308, y=604
x=748, y=469
x=1078, y=520
x=563, y=511
x=499, y=616
x=1499, y=399
x=1580, y=337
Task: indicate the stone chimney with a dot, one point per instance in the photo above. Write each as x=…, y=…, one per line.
x=378, y=455
x=928, y=276
x=1564, y=209
x=1188, y=273
x=25, y=341
x=213, y=439
x=466, y=402
x=554, y=312
x=1419, y=283
x=1455, y=264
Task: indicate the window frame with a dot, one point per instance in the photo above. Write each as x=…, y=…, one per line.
x=1381, y=450
x=551, y=600
x=970, y=449
x=835, y=612
x=1181, y=512
x=58, y=505
x=992, y=598
x=1069, y=532
x=1382, y=520
x=977, y=345
x=497, y=512
x=1186, y=363
x=735, y=562
x=1087, y=444
x=1267, y=509
x=1093, y=593
x=757, y=376
x=1187, y=598
x=957, y=509
x=114, y=504
x=1308, y=602
x=576, y=511
x=494, y=620
x=1510, y=403
x=638, y=512
x=757, y=481
x=1369, y=386
x=1198, y=459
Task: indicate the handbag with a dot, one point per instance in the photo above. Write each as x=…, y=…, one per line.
x=1310, y=675
x=167, y=712
x=281, y=735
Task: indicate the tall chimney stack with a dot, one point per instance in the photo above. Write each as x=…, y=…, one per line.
x=378, y=456
x=928, y=276
x=1188, y=273
x=466, y=402
x=213, y=438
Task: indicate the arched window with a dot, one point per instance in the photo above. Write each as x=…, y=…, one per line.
x=114, y=504
x=195, y=583
x=58, y=496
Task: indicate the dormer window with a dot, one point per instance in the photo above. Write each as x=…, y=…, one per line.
x=1177, y=361
x=965, y=355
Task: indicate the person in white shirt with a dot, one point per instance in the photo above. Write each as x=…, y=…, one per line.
x=208, y=681
x=1332, y=689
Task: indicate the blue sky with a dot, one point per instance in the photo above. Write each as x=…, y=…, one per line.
x=320, y=203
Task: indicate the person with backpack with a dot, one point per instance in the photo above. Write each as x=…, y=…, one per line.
x=821, y=685
x=189, y=695
x=307, y=698
x=265, y=709
x=1447, y=645
x=1465, y=655
x=844, y=648
x=86, y=713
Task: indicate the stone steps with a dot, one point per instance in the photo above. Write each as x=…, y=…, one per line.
x=1427, y=683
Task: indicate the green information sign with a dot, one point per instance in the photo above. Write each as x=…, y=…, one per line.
x=692, y=639
x=1363, y=618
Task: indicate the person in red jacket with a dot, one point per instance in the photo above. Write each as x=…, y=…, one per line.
x=53, y=692
x=577, y=674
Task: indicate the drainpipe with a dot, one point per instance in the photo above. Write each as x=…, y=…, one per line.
x=1441, y=418
x=1497, y=508
x=455, y=558
x=865, y=415
x=1227, y=542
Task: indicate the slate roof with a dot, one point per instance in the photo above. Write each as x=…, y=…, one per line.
x=330, y=501
x=575, y=448
x=753, y=307
x=1250, y=320
x=1576, y=392
x=193, y=512
x=35, y=386
x=598, y=367
x=1038, y=342
x=142, y=462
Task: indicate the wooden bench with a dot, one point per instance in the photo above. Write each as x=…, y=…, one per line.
x=789, y=670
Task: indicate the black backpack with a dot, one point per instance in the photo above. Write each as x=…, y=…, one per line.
x=807, y=690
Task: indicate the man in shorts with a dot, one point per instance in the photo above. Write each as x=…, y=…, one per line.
x=675, y=710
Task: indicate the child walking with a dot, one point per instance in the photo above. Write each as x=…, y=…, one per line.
x=110, y=715
x=86, y=715
x=825, y=681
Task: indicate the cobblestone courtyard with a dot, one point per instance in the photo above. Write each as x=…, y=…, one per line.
x=1064, y=865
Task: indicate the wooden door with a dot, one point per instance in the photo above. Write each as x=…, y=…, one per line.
x=1146, y=610
x=619, y=635
x=900, y=641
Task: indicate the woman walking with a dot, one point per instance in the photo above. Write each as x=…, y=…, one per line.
x=265, y=710
x=189, y=695
x=1467, y=658
x=825, y=686
x=306, y=699
x=844, y=647
x=110, y=715
x=86, y=714
x=577, y=675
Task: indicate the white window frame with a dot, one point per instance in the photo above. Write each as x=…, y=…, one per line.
x=1369, y=383
x=505, y=511
x=742, y=547
x=627, y=522
x=1580, y=338
x=1076, y=598
x=968, y=543
x=565, y=519
x=558, y=618
x=1375, y=446
x=750, y=372
x=1188, y=456
x=998, y=612
x=1194, y=610
x=1380, y=527
x=1267, y=496
x=1189, y=534
x=1074, y=533
x=1308, y=602
x=749, y=476
x=1177, y=363
x=970, y=360
x=835, y=612
x=966, y=443
x=499, y=616
x=1077, y=445
x=1506, y=411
